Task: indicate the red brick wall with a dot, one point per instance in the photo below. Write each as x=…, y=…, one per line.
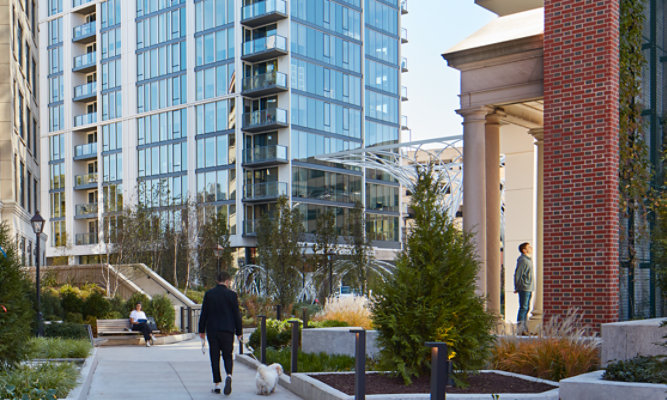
x=581, y=159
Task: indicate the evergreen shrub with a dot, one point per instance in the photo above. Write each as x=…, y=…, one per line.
x=66, y=330
x=96, y=305
x=278, y=334
x=162, y=310
x=431, y=295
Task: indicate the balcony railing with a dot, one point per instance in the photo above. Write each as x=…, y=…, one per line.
x=85, y=91
x=404, y=6
x=404, y=93
x=263, y=12
x=404, y=122
x=264, y=191
x=404, y=35
x=265, y=155
x=264, y=48
x=272, y=118
x=86, y=238
x=85, y=151
x=85, y=119
x=84, y=61
x=263, y=84
x=86, y=210
x=86, y=180
x=84, y=31
x=76, y=3
x=404, y=64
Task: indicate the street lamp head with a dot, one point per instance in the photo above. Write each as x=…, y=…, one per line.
x=37, y=223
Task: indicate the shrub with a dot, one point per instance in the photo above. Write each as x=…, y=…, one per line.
x=162, y=310
x=353, y=310
x=196, y=295
x=58, y=348
x=71, y=300
x=252, y=306
x=52, y=309
x=74, y=317
x=561, y=350
x=96, y=305
x=307, y=362
x=15, y=322
x=132, y=302
x=638, y=369
x=278, y=334
x=116, y=306
x=327, y=323
x=67, y=330
x=431, y=295
x=41, y=382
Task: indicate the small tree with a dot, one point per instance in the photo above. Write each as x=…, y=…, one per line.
x=213, y=237
x=279, y=251
x=360, y=250
x=326, y=246
x=15, y=308
x=431, y=295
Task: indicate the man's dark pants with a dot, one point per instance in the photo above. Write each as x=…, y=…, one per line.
x=524, y=305
x=143, y=328
x=220, y=342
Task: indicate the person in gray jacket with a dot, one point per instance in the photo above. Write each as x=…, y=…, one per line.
x=524, y=284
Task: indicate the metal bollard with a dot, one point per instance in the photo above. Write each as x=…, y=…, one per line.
x=279, y=313
x=295, y=346
x=190, y=330
x=262, y=343
x=439, y=369
x=360, y=364
x=183, y=319
x=304, y=318
x=241, y=345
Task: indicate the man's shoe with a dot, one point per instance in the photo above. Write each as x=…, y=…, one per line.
x=148, y=344
x=228, y=385
x=152, y=340
x=216, y=389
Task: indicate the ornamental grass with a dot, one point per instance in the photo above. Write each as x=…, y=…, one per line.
x=354, y=310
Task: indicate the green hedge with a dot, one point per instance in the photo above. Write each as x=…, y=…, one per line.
x=307, y=362
x=58, y=348
x=41, y=382
x=638, y=369
x=66, y=330
x=278, y=334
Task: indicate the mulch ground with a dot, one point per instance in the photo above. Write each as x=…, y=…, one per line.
x=479, y=383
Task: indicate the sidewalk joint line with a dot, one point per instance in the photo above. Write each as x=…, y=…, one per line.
x=180, y=379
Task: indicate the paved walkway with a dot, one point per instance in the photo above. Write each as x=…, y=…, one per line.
x=177, y=371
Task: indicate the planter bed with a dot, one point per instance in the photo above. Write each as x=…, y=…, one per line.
x=591, y=386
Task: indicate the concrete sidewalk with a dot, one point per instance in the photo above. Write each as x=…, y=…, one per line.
x=177, y=371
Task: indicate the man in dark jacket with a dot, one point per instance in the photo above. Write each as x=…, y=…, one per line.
x=523, y=281
x=220, y=319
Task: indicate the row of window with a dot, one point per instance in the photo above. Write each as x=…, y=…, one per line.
x=111, y=74
x=56, y=147
x=379, y=134
x=113, y=197
x=212, y=13
x=111, y=45
x=163, y=192
x=57, y=176
x=56, y=118
x=58, y=234
x=381, y=197
x=112, y=137
x=381, y=16
x=326, y=82
x=145, y=7
x=326, y=48
x=112, y=105
x=164, y=126
x=112, y=167
x=163, y=159
x=162, y=93
x=56, y=89
x=214, y=46
x=215, y=117
x=381, y=106
x=382, y=227
x=381, y=76
x=55, y=60
x=57, y=203
x=215, y=81
x=216, y=186
x=110, y=13
x=216, y=151
x=25, y=187
x=306, y=145
x=55, y=29
x=161, y=28
x=328, y=117
x=161, y=61
x=381, y=46
x=325, y=185
x=329, y=15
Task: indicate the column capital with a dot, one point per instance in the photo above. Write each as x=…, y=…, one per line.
x=474, y=114
x=537, y=133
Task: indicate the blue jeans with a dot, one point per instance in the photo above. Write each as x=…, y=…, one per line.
x=524, y=305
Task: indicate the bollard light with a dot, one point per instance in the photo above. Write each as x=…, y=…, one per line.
x=295, y=345
x=262, y=343
x=439, y=369
x=360, y=364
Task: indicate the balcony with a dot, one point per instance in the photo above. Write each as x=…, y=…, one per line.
x=264, y=84
x=82, y=239
x=263, y=120
x=263, y=12
x=85, y=62
x=404, y=93
x=87, y=6
x=86, y=210
x=404, y=7
x=265, y=155
x=404, y=122
x=85, y=151
x=85, y=92
x=85, y=119
x=264, y=191
x=404, y=64
x=84, y=33
x=264, y=48
x=87, y=181
x=404, y=35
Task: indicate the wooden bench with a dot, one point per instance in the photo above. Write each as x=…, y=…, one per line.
x=116, y=327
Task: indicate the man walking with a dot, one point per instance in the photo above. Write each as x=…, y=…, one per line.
x=523, y=281
x=220, y=319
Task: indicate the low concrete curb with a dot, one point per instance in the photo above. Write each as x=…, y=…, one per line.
x=136, y=340
x=87, y=371
x=591, y=386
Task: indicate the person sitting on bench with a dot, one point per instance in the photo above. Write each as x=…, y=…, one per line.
x=139, y=322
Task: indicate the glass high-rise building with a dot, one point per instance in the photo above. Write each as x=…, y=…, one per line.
x=223, y=102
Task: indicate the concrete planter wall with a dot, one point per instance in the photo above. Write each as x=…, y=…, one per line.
x=591, y=386
x=625, y=340
x=336, y=341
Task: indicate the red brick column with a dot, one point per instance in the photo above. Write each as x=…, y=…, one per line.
x=581, y=224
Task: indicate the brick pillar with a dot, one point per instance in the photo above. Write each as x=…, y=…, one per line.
x=581, y=223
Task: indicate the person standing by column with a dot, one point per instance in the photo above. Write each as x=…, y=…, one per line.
x=219, y=321
x=524, y=283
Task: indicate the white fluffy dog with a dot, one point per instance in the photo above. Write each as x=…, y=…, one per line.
x=267, y=378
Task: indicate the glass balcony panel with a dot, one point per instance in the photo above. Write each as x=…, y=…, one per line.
x=404, y=6
x=264, y=82
x=85, y=90
x=404, y=64
x=76, y=3
x=86, y=179
x=86, y=238
x=264, y=12
x=84, y=30
x=404, y=122
x=84, y=150
x=262, y=154
x=265, y=190
x=271, y=46
x=272, y=117
x=85, y=60
x=404, y=35
x=404, y=92
x=85, y=119
x=86, y=209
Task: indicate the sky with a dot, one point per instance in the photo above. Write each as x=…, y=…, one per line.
x=435, y=26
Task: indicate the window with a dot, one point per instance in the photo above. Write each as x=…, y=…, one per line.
x=22, y=184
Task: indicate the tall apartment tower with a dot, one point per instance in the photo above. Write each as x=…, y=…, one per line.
x=224, y=102
x=19, y=123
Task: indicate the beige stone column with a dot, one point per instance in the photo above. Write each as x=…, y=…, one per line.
x=492, y=165
x=537, y=314
x=474, y=185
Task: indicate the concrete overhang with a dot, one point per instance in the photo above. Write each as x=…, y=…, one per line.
x=505, y=7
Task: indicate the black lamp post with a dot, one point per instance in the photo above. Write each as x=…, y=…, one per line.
x=37, y=223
